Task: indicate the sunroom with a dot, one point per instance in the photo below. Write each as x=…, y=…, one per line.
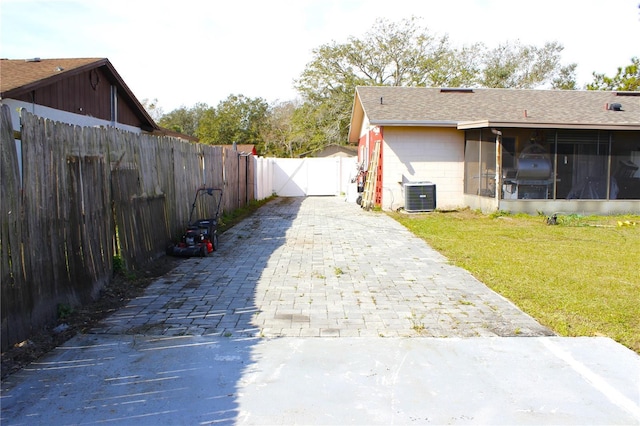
x=551, y=170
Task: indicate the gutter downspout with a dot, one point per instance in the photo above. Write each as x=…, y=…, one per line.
x=114, y=105
x=498, y=191
x=608, y=166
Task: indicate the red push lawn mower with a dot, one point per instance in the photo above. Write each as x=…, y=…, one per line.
x=201, y=236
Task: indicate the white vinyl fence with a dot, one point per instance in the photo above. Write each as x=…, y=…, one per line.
x=299, y=177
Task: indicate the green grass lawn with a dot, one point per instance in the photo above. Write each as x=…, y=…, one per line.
x=579, y=278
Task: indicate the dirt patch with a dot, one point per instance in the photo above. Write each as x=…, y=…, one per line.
x=114, y=296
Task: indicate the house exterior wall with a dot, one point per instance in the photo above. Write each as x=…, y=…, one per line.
x=418, y=154
x=364, y=145
x=88, y=93
x=58, y=115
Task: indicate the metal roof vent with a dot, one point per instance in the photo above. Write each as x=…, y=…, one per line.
x=456, y=90
x=615, y=107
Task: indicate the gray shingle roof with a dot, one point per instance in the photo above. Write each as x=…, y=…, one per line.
x=421, y=106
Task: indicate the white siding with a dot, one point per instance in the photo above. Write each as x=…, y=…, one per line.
x=413, y=154
x=62, y=116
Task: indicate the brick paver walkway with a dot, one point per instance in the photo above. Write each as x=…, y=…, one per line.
x=320, y=266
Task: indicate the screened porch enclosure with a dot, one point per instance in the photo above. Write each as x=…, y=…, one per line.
x=552, y=164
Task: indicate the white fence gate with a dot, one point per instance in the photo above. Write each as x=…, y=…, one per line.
x=299, y=177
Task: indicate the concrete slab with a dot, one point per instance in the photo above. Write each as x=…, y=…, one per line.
x=217, y=380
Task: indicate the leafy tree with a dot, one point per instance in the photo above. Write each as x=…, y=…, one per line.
x=396, y=54
x=566, y=78
x=513, y=65
x=292, y=129
x=389, y=54
x=184, y=120
x=315, y=124
x=457, y=67
x=406, y=54
x=280, y=133
x=236, y=119
x=626, y=79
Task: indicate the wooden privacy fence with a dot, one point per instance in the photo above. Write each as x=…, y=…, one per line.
x=85, y=194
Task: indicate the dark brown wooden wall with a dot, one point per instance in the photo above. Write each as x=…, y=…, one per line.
x=87, y=93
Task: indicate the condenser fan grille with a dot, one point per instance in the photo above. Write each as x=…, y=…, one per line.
x=419, y=196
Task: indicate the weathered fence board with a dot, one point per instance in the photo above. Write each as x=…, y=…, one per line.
x=88, y=194
x=13, y=295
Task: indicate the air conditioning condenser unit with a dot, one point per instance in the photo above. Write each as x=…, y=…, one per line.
x=419, y=196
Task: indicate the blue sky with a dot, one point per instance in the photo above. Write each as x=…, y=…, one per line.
x=186, y=51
